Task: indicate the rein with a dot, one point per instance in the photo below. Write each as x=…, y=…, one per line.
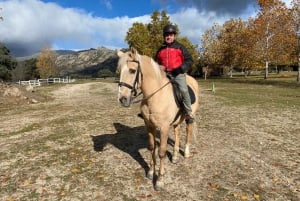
x=133, y=87
x=153, y=92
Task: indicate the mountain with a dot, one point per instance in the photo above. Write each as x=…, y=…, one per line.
x=83, y=63
x=86, y=62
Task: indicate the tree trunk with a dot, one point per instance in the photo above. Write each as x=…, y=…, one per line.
x=205, y=72
x=298, y=77
x=266, y=70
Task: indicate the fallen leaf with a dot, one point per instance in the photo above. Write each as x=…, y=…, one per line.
x=275, y=179
x=62, y=193
x=244, y=197
x=256, y=197
x=101, y=176
x=210, y=196
x=75, y=170
x=213, y=186
x=26, y=183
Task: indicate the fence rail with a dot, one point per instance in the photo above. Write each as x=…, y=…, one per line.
x=40, y=82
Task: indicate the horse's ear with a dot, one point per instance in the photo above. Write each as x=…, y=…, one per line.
x=120, y=53
x=134, y=52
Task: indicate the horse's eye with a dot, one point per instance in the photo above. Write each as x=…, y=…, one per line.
x=132, y=71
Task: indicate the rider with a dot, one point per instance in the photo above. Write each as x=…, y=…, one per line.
x=177, y=61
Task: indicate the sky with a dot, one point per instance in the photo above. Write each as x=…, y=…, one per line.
x=30, y=25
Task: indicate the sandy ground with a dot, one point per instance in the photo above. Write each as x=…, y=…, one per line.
x=83, y=146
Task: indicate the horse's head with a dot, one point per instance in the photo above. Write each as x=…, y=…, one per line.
x=130, y=76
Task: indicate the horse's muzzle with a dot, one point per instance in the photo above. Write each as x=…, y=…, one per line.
x=126, y=102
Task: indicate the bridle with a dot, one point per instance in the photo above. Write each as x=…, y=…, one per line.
x=134, y=93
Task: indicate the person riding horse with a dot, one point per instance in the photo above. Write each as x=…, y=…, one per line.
x=176, y=60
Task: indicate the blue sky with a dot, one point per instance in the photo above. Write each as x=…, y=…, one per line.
x=30, y=25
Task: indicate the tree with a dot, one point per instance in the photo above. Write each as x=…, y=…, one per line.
x=296, y=21
x=25, y=70
x=273, y=30
x=104, y=73
x=7, y=63
x=45, y=64
x=147, y=38
x=30, y=69
x=139, y=37
x=211, y=54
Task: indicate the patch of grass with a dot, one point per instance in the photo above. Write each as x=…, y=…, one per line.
x=28, y=128
x=254, y=91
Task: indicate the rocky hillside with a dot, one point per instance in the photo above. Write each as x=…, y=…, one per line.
x=87, y=62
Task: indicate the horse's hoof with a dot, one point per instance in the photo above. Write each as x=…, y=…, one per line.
x=158, y=186
x=187, y=155
x=174, y=160
x=150, y=175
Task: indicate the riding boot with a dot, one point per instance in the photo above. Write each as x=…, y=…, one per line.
x=189, y=118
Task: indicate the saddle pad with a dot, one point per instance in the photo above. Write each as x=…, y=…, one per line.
x=192, y=95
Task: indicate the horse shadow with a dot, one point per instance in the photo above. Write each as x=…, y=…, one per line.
x=130, y=140
x=127, y=139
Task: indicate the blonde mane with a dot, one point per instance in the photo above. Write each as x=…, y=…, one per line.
x=154, y=65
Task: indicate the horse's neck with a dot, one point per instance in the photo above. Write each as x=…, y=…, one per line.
x=153, y=78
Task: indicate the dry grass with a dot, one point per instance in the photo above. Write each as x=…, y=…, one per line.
x=83, y=146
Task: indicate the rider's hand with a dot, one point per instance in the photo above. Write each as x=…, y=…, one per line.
x=177, y=71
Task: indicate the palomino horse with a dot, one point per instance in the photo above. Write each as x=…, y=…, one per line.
x=158, y=106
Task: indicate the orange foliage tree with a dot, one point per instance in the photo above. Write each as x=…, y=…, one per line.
x=46, y=66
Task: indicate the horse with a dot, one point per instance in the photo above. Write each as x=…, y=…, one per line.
x=158, y=106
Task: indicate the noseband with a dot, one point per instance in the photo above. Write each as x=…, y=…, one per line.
x=133, y=87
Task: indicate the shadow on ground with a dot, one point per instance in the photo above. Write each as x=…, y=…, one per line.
x=127, y=139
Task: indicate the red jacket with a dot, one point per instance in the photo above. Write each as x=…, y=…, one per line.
x=174, y=56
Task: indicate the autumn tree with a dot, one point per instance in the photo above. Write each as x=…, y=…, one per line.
x=234, y=46
x=147, y=38
x=274, y=33
x=296, y=21
x=210, y=54
x=45, y=64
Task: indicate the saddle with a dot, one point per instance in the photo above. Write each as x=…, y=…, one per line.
x=178, y=96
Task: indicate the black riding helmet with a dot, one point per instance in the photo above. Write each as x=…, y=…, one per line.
x=169, y=29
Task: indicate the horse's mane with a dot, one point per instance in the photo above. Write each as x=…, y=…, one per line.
x=156, y=68
x=144, y=60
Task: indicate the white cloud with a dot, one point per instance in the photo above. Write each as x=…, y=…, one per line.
x=29, y=25
x=107, y=4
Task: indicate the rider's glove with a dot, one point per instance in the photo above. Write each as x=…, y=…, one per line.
x=177, y=71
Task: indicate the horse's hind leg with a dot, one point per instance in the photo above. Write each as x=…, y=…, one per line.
x=176, y=144
x=189, y=130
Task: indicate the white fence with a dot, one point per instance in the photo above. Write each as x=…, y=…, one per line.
x=40, y=82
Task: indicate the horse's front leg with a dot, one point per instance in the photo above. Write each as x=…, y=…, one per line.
x=189, y=130
x=176, y=144
x=152, y=147
x=164, y=133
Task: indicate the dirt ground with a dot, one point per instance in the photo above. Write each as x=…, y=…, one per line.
x=81, y=145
